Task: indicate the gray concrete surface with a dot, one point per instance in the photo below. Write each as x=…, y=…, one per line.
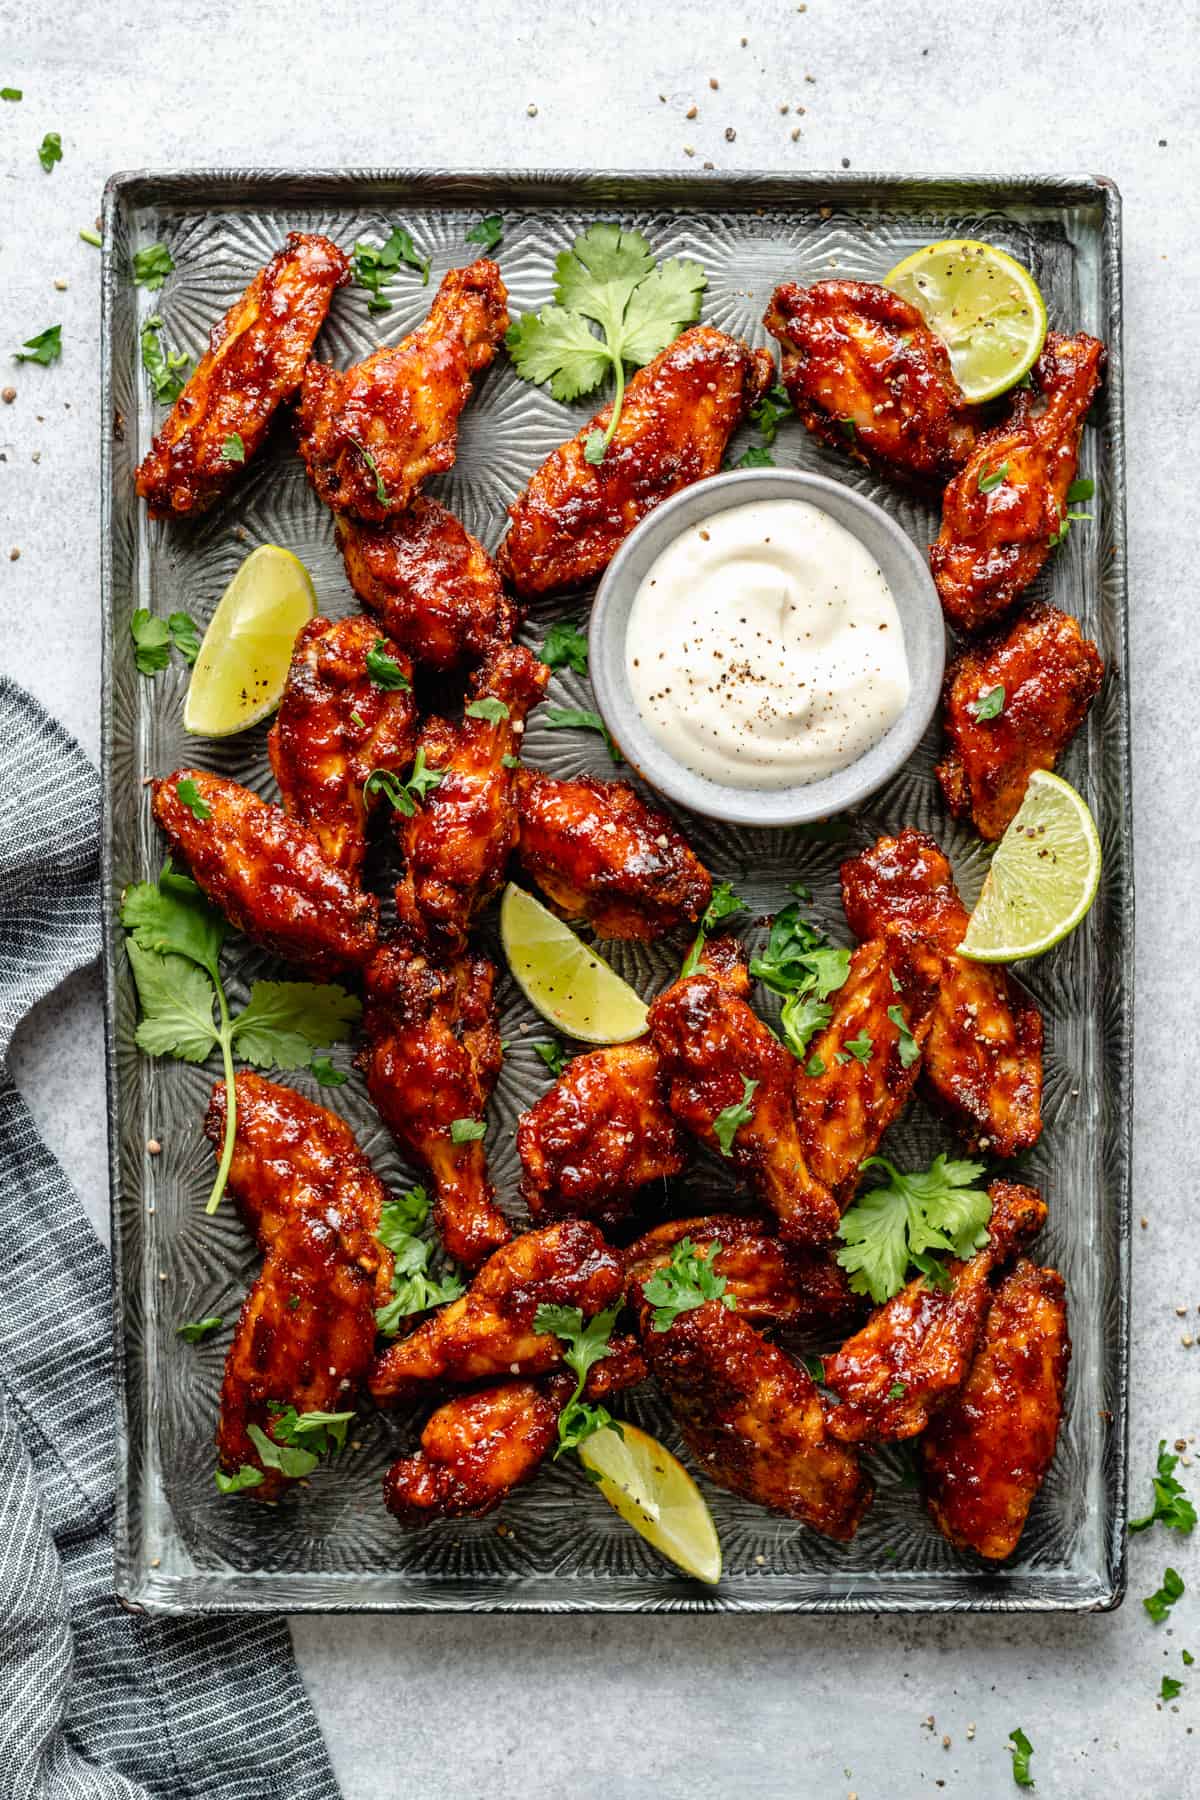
x=673, y=1707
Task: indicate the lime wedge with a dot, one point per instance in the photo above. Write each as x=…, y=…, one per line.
x=654, y=1493
x=569, y=984
x=986, y=308
x=1043, y=877
x=243, y=662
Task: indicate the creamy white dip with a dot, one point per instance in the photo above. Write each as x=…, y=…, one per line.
x=764, y=648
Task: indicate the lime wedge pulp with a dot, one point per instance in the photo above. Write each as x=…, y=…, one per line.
x=983, y=304
x=243, y=662
x=567, y=983
x=1043, y=877
x=654, y=1493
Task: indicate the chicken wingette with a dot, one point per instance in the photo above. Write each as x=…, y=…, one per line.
x=475, y=1449
x=766, y=1278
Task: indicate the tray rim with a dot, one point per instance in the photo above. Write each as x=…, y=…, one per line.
x=139, y=1588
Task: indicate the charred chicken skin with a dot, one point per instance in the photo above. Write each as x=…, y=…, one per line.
x=987, y=1452
x=915, y=1351
x=729, y=1078
x=433, y=587
x=372, y=434
x=767, y=1279
x=458, y=841
x=306, y=1334
x=599, y=1135
x=254, y=362
x=476, y=1449
x=431, y=1055
x=601, y=852
x=679, y=413
x=887, y=1001
x=268, y=874
x=489, y=1331
x=1048, y=674
x=983, y=1056
x=334, y=727
x=866, y=374
x=753, y=1420
x=996, y=536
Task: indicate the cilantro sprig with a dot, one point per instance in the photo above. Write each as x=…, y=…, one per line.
x=174, y=949
x=607, y=278
x=294, y=1445
x=800, y=963
x=1172, y=1507
x=153, y=639
x=373, y=264
x=166, y=368
x=415, y=1289
x=565, y=647
x=903, y=1223
x=684, y=1283
x=723, y=905
x=583, y=1346
x=554, y=1055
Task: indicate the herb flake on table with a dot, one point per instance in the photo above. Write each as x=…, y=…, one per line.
x=908, y=1221
x=1022, y=1750
x=1171, y=1688
x=196, y=1330
x=1159, y=1604
x=1171, y=1507
x=45, y=348
x=487, y=232
x=583, y=1347
x=687, y=1281
x=373, y=264
x=11, y=93
x=151, y=266
x=402, y=1230
x=50, y=150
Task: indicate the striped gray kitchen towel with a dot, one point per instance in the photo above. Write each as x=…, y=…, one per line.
x=95, y=1703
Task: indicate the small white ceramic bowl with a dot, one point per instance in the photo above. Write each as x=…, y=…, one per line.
x=906, y=573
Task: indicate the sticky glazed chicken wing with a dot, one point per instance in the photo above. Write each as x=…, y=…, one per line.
x=431, y=1055
x=1047, y=674
x=753, y=1420
x=306, y=1334
x=866, y=374
x=679, y=413
x=475, y=1450
x=983, y=1057
x=458, y=841
x=987, y=1453
x=915, y=1351
x=372, y=434
x=601, y=852
x=254, y=362
x=489, y=1331
x=730, y=1082
x=599, y=1135
x=1001, y=514
x=336, y=725
x=267, y=873
x=433, y=587
x=766, y=1278
x=885, y=1010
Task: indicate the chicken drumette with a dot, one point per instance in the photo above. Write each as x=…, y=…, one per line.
x=983, y=1056
x=1012, y=705
x=431, y=1057
x=335, y=725
x=1004, y=512
x=306, y=1334
x=458, y=841
x=267, y=873
x=866, y=374
x=255, y=359
x=679, y=413
x=371, y=435
x=433, y=586
x=766, y=1278
x=476, y=1449
x=601, y=852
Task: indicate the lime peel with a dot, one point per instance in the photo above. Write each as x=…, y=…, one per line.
x=984, y=306
x=1043, y=878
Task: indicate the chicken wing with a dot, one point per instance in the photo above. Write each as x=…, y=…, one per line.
x=1047, y=674
x=601, y=1133
x=255, y=359
x=1002, y=514
x=767, y=1278
x=267, y=873
x=371, y=435
x=489, y=1330
x=987, y=1452
x=456, y=844
x=306, y=1334
x=866, y=374
x=752, y=1418
x=885, y=1009
x=601, y=852
x=336, y=725
x=730, y=1082
x=433, y=586
x=915, y=1351
x=983, y=1056
x=678, y=415
x=476, y=1449
x=431, y=1055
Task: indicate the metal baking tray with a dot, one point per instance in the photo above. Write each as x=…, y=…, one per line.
x=556, y=1545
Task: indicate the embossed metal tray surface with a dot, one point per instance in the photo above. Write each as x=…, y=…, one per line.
x=556, y=1544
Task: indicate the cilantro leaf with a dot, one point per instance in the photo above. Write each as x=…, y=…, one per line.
x=324, y=1430
x=10, y=93
x=191, y=797
x=910, y=1050
x=554, y=1056
x=374, y=263
x=803, y=1015
x=992, y=478
x=1171, y=1504
x=1170, y=1688
x=151, y=641
x=283, y=1022
x=988, y=703
x=151, y=266
x=583, y=1346
x=246, y=1477
x=658, y=309
x=233, y=450
x=766, y=413
x=383, y=781
x=165, y=368
x=756, y=457
x=563, y=718
x=558, y=347
x=422, y=779
x=45, y=348
x=291, y=1460
x=466, y=1131
x=731, y=1118
x=488, y=232
x=385, y=671
x=890, y=1227
x=860, y=1048
x=489, y=708
x=1159, y=1604
x=197, y=1329
x=723, y=905
x=171, y=916
x=50, y=150
x=1022, y=1750
x=799, y=958
x=322, y=1068
x=1082, y=489
x=687, y=1281
x=565, y=647
x=815, y=1066
x=177, y=1001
